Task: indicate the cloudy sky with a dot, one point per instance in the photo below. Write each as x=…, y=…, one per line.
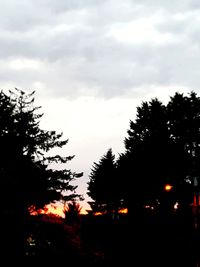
x=92, y=62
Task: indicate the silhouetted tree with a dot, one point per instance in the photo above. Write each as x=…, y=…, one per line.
x=162, y=147
x=147, y=154
x=103, y=185
x=72, y=212
x=28, y=181
x=184, y=124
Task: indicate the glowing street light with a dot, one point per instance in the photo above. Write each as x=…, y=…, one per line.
x=168, y=187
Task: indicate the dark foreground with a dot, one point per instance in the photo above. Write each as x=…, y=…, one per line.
x=101, y=241
x=152, y=241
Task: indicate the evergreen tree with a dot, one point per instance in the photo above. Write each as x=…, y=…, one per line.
x=184, y=124
x=72, y=212
x=162, y=147
x=103, y=185
x=27, y=180
x=147, y=153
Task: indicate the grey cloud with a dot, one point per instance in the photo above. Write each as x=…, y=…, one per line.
x=81, y=57
x=178, y=24
x=67, y=5
x=25, y=15
x=20, y=15
x=173, y=7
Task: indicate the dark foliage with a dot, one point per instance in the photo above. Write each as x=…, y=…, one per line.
x=103, y=185
x=162, y=146
x=27, y=180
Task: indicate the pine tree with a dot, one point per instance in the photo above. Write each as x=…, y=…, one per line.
x=103, y=185
x=27, y=180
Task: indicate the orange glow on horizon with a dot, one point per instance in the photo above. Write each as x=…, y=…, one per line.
x=50, y=209
x=56, y=209
x=123, y=211
x=98, y=213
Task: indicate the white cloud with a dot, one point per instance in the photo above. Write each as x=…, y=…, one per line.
x=21, y=64
x=140, y=31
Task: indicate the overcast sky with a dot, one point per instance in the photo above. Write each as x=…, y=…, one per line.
x=92, y=62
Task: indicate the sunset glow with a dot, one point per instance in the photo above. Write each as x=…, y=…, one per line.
x=121, y=211
x=49, y=209
x=125, y=210
x=54, y=208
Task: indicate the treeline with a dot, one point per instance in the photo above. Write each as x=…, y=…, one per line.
x=29, y=179
x=162, y=147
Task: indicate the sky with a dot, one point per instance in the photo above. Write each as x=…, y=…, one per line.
x=92, y=62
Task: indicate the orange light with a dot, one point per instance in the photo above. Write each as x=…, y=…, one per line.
x=49, y=209
x=125, y=210
x=168, y=187
x=55, y=209
x=98, y=213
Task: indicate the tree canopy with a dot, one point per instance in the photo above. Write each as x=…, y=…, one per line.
x=162, y=146
x=29, y=178
x=103, y=184
x=24, y=155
